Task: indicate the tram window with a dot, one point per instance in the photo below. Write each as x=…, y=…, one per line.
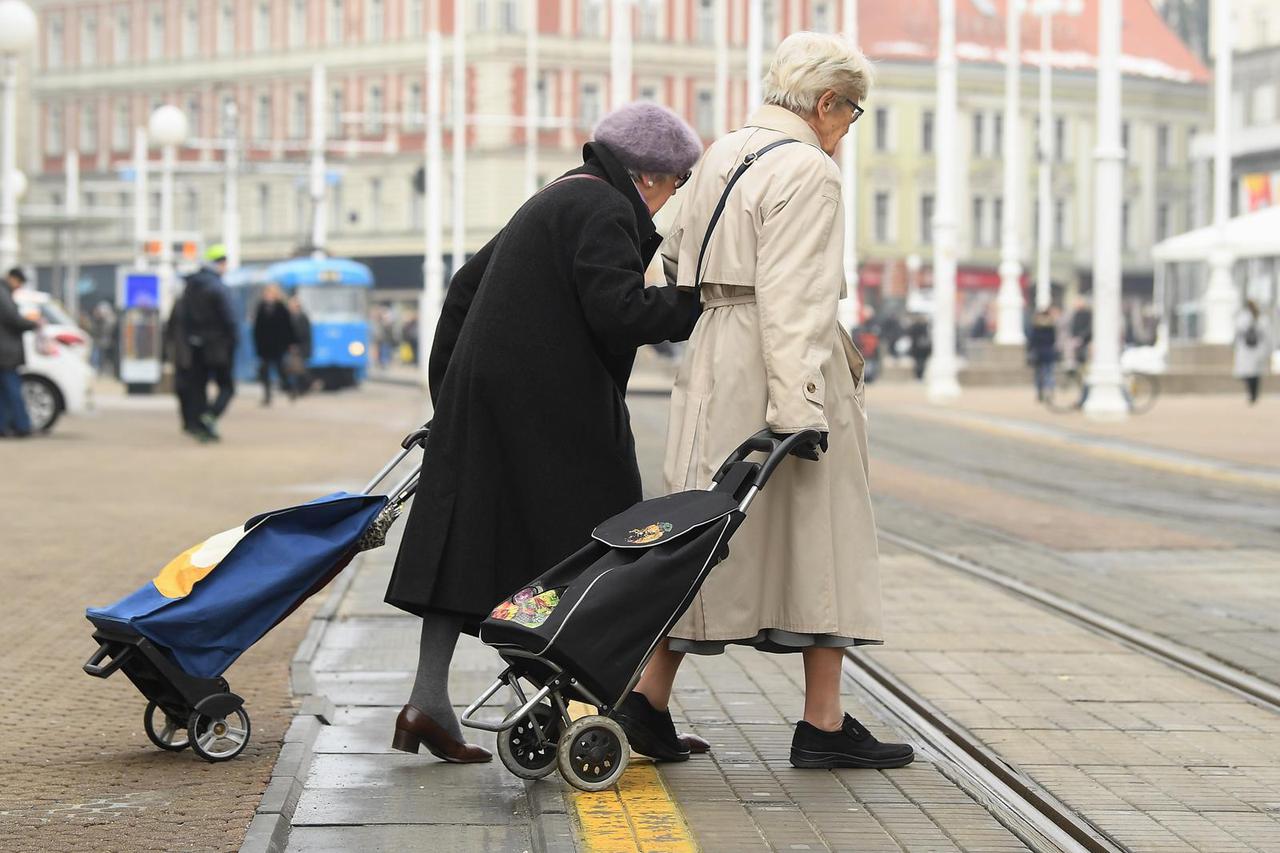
x=333, y=304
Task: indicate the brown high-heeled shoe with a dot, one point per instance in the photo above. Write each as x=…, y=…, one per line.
x=414, y=729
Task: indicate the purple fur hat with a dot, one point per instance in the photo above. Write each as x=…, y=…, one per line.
x=649, y=138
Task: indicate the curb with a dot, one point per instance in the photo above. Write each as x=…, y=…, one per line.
x=273, y=820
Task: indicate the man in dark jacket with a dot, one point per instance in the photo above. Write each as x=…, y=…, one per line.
x=204, y=336
x=13, y=411
x=299, y=378
x=273, y=334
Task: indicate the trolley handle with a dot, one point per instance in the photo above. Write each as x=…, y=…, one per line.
x=95, y=666
x=777, y=445
x=417, y=438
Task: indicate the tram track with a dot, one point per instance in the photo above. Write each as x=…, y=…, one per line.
x=1027, y=809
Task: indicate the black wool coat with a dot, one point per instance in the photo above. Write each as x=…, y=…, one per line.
x=531, y=444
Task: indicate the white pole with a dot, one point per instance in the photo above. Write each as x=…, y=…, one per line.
x=319, y=213
x=459, y=126
x=1106, y=399
x=532, y=107
x=140, y=199
x=71, y=273
x=1221, y=300
x=721, y=123
x=168, y=154
x=8, y=165
x=755, y=47
x=942, y=382
x=620, y=53
x=850, y=308
x=1044, y=235
x=230, y=193
x=433, y=262
x=1009, y=302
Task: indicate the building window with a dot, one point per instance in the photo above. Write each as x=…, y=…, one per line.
x=1162, y=221
x=1162, y=146
x=650, y=22
x=590, y=110
x=226, y=27
x=769, y=22
x=997, y=135
x=415, y=208
x=156, y=34
x=191, y=209
x=979, y=221
x=190, y=28
x=262, y=118
x=56, y=129
x=334, y=21
x=1125, y=230
x=705, y=24
x=193, y=114
x=415, y=18
x=302, y=209
x=1262, y=112
x=226, y=115
x=262, y=26
x=264, y=209
x=55, y=47
x=1124, y=139
x=125, y=202
x=997, y=220
x=882, y=129
x=375, y=203
x=704, y=114
x=881, y=219
x=89, y=40
x=1060, y=139
x=89, y=127
x=123, y=49
x=926, y=218
x=337, y=210
x=121, y=136
x=337, y=103
x=507, y=16
x=544, y=95
x=414, y=112
x=1059, y=223
x=481, y=15
x=589, y=15
x=375, y=20
x=926, y=132
x=297, y=23
x=978, y=150
x=822, y=17
x=376, y=104
x=298, y=114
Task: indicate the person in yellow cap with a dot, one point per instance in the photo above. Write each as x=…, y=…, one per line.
x=204, y=333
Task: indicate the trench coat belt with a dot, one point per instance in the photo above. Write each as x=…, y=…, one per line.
x=723, y=301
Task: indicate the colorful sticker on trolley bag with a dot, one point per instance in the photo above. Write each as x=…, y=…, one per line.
x=652, y=533
x=530, y=606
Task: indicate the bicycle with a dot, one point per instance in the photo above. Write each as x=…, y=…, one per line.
x=1069, y=391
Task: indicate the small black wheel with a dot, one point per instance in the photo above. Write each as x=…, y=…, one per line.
x=526, y=754
x=1066, y=393
x=593, y=753
x=172, y=732
x=218, y=738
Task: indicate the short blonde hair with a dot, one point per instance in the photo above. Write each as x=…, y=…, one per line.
x=807, y=64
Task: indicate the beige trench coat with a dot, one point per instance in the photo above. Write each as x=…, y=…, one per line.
x=769, y=351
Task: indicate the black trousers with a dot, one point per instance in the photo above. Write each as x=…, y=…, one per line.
x=1251, y=386
x=192, y=387
x=275, y=364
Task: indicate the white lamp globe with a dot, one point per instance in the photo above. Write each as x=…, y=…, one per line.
x=167, y=126
x=18, y=183
x=17, y=26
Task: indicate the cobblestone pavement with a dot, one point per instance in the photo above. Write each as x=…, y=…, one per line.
x=91, y=513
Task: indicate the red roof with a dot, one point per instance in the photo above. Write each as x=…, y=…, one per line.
x=908, y=30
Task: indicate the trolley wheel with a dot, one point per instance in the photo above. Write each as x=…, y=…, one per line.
x=592, y=753
x=1142, y=390
x=1065, y=394
x=218, y=738
x=172, y=734
x=521, y=750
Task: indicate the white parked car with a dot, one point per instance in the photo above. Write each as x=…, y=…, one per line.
x=57, y=377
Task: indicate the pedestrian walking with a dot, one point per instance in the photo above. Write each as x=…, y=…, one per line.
x=1252, y=348
x=104, y=338
x=299, y=355
x=769, y=352
x=273, y=335
x=203, y=335
x=1042, y=352
x=921, y=345
x=531, y=445
x=14, y=420
x=1081, y=333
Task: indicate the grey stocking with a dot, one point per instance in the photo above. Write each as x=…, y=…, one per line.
x=430, y=693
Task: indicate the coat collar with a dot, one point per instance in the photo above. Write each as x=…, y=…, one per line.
x=782, y=120
x=598, y=160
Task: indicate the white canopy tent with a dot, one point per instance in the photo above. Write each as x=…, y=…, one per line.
x=1253, y=235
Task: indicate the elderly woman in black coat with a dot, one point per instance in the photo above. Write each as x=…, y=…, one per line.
x=531, y=444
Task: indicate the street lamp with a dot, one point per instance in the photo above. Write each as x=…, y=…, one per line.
x=1221, y=300
x=17, y=32
x=1009, y=302
x=167, y=128
x=942, y=383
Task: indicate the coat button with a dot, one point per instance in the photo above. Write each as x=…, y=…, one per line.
x=811, y=387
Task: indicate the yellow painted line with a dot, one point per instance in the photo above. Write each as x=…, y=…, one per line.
x=638, y=816
x=1193, y=469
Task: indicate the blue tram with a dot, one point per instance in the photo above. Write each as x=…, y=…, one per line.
x=334, y=294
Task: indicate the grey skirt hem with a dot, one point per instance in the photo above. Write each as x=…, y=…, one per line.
x=772, y=640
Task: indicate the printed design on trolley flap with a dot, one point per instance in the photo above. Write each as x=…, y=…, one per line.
x=652, y=533
x=530, y=606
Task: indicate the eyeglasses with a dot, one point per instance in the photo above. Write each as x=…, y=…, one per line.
x=683, y=179
x=857, y=110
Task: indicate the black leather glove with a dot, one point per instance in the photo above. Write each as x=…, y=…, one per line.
x=810, y=449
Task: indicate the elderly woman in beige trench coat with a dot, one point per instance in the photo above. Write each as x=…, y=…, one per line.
x=768, y=351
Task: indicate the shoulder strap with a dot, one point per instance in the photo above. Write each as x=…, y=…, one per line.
x=724, y=198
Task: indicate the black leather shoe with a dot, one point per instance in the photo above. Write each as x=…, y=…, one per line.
x=650, y=731
x=851, y=746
